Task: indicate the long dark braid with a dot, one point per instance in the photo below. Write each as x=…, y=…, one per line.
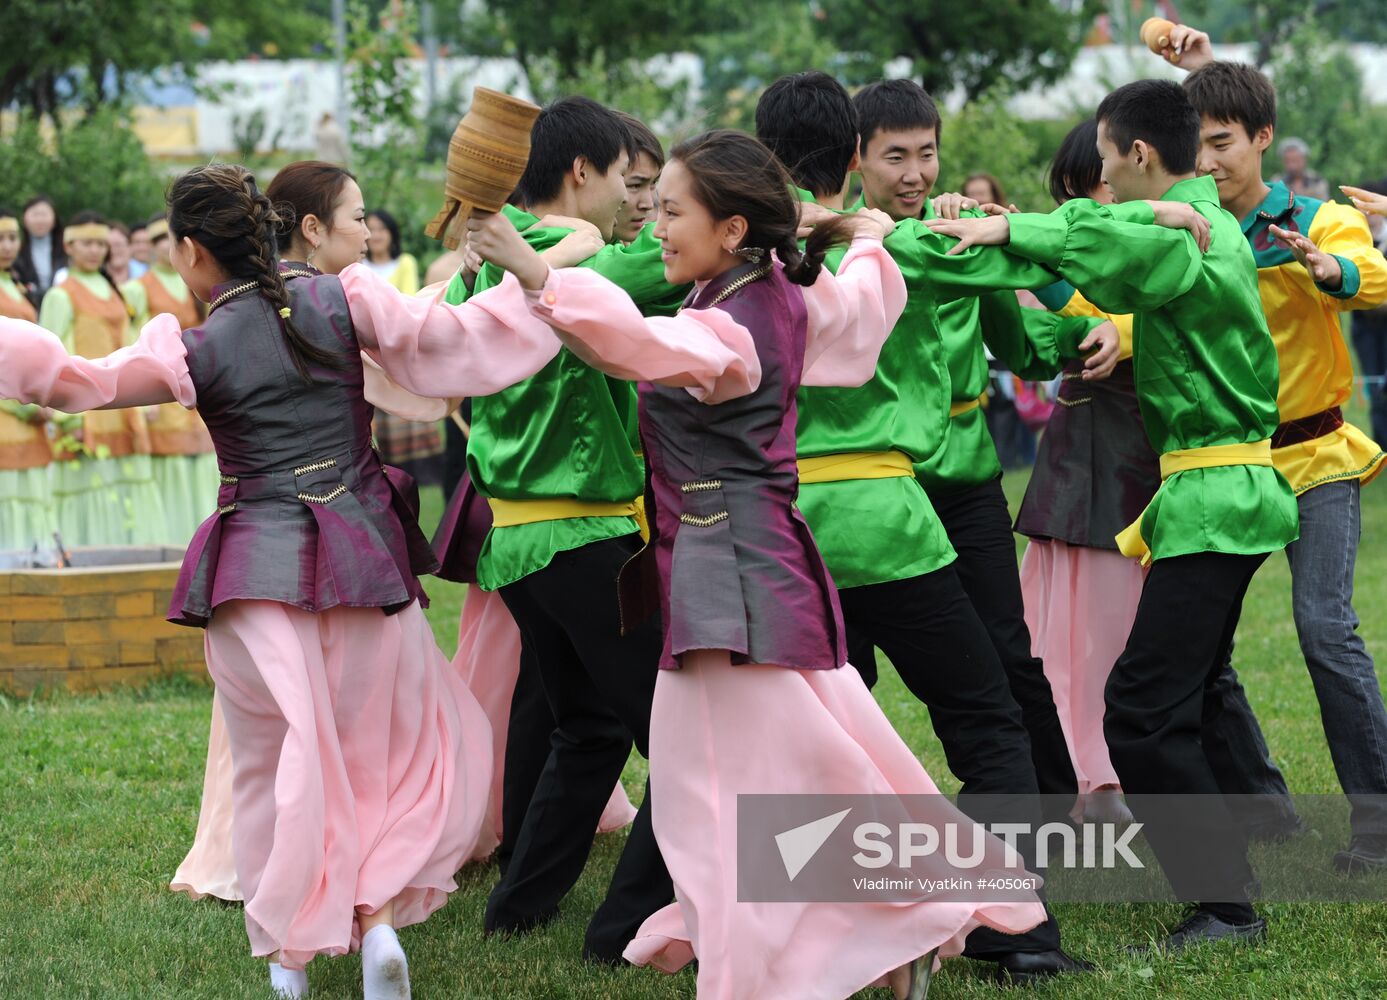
x=220, y=207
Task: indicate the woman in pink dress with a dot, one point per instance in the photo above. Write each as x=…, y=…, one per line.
x=361, y=761
x=752, y=698
x=321, y=232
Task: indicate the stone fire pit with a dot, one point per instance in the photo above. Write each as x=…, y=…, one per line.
x=94, y=625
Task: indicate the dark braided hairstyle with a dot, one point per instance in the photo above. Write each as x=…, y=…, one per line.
x=734, y=174
x=221, y=208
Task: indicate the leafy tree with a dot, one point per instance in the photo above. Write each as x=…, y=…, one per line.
x=738, y=64
x=976, y=45
x=85, y=51
x=1270, y=23
x=1319, y=91
x=387, y=131
x=96, y=163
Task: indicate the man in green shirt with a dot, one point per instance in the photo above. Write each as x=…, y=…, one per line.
x=872, y=521
x=1207, y=377
x=553, y=456
x=900, y=163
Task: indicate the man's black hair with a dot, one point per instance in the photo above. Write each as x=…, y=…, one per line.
x=1233, y=92
x=565, y=130
x=895, y=105
x=1158, y=113
x=809, y=123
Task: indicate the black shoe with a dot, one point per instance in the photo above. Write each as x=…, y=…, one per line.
x=1367, y=852
x=1025, y=967
x=1201, y=926
x=517, y=925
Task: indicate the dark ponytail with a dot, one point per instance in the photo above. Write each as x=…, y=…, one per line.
x=734, y=174
x=221, y=208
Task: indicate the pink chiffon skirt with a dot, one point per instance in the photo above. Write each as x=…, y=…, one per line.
x=717, y=731
x=210, y=867
x=1080, y=604
x=488, y=661
x=361, y=769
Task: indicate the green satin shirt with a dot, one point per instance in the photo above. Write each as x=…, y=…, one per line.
x=877, y=530
x=1205, y=365
x=565, y=432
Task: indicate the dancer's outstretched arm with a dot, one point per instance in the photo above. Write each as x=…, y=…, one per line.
x=434, y=349
x=36, y=368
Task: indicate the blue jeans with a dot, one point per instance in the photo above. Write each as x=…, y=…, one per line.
x=1351, y=705
x=1370, y=343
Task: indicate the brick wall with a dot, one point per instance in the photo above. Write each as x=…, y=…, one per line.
x=88, y=629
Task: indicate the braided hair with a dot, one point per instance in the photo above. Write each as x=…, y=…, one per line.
x=734, y=174
x=221, y=208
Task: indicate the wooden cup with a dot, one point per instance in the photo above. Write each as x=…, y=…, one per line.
x=486, y=156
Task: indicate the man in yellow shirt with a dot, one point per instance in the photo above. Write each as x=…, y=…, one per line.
x=1315, y=260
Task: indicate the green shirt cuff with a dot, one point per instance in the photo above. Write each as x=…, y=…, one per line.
x=1072, y=332
x=1350, y=284
x=1136, y=212
x=1040, y=238
x=1055, y=297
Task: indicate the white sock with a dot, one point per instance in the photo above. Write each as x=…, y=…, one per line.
x=292, y=983
x=384, y=969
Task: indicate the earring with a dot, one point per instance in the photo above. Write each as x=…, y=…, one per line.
x=753, y=255
x=312, y=249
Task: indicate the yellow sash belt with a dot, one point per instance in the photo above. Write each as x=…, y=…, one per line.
x=509, y=513
x=958, y=409
x=1129, y=541
x=855, y=465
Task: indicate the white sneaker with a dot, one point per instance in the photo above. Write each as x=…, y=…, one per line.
x=384, y=968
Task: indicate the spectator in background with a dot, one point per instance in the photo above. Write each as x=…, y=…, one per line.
x=1295, y=170
x=42, y=255
x=118, y=260
x=1370, y=336
x=331, y=141
x=383, y=252
x=141, y=249
x=985, y=189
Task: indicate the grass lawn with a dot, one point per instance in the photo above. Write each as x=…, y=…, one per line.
x=99, y=799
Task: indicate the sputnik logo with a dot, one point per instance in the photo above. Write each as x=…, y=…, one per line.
x=799, y=845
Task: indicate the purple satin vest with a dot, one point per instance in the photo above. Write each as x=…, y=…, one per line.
x=1095, y=470
x=736, y=565
x=307, y=514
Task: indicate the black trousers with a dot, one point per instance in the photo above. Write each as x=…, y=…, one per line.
x=931, y=633
x=528, y=736
x=979, y=527
x=599, y=687
x=1155, y=701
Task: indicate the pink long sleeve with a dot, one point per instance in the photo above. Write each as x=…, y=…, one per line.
x=851, y=314
x=384, y=393
x=36, y=368
x=704, y=351
x=433, y=349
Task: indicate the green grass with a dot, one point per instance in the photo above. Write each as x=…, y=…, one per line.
x=99, y=799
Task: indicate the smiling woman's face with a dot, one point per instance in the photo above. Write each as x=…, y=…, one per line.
x=690, y=238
